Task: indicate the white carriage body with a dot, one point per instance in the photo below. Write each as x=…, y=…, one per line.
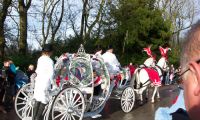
x=75, y=96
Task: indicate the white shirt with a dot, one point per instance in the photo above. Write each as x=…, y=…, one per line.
x=43, y=79
x=111, y=62
x=96, y=64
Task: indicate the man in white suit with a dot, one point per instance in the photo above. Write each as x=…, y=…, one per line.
x=111, y=61
x=43, y=81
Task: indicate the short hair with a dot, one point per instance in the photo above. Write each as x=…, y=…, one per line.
x=47, y=48
x=7, y=60
x=110, y=47
x=191, y=47
x=98, y=48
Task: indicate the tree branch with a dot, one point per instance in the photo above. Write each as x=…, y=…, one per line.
x=97, y=18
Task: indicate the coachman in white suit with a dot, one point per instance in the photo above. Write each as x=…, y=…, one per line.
x=111, y=61
x=43, y=81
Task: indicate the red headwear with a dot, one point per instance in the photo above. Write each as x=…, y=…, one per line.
x=163, y=51
x=148, y=51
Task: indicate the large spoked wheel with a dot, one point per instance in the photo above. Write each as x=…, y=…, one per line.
x=68, y=105
x=127, y=99
x=23, y=101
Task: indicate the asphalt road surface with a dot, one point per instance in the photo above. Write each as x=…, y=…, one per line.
x=112, y=110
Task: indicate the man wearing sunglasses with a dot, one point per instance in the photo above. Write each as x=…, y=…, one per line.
x=190, y=72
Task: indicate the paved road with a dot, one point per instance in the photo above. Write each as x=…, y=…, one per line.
x=112, y=110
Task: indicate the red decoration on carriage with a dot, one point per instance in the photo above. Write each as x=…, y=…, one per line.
x=132, y=70
x=97, y=81
x=58, y=79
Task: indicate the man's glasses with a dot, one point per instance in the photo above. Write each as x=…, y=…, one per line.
x=178, y=77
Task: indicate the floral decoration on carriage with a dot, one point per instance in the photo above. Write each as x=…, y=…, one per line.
x=80, y=69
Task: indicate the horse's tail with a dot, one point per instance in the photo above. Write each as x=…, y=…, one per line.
x=132, y=82
x=135, y=78
x=138, y=79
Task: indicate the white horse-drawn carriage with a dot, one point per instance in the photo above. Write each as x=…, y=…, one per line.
x=74, y=97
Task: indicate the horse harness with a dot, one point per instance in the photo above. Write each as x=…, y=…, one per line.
x=143, y=85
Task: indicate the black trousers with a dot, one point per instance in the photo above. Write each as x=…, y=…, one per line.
x=8, y=96
x=38, y=110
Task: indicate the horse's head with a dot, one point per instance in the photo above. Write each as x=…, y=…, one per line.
x=149, y=62
x=152, y=58
x=163, y=63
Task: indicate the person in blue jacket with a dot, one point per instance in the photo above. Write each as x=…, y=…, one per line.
x=8, y=74
x=176, y=112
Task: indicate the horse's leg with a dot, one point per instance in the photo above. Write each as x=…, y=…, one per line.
x=141, y=94
x=141, y=98
x=154, y=92
x=158, y=94
x=147, y=94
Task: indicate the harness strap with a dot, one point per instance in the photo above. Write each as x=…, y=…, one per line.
x=143, y=85
x=162, y=71
x=144, y=66
x=146, y=82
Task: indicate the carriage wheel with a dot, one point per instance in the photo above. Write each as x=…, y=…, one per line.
x=23, y=105
x=127, y=99
x=68, y=105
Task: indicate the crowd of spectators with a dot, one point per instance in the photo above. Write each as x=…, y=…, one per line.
x=8, y=88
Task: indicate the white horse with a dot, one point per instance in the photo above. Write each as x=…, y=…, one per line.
x=143, y=79
x=149, y=62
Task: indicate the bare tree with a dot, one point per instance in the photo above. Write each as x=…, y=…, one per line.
x=96, y=20
x=180, y=12
x=4, y=5
x=53, y=12
x=90, y=13
x=106, y=22
x=83, y=18
x=90, y=24
x=74, y=11
x=23, y=6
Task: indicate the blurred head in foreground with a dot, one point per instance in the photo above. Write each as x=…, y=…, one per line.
x=190, y=66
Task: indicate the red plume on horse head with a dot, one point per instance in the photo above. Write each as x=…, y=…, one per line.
x=163, y=51
x=148, y=51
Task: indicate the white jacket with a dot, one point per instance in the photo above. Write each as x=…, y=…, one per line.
x=43, y=79
x=112, y=63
